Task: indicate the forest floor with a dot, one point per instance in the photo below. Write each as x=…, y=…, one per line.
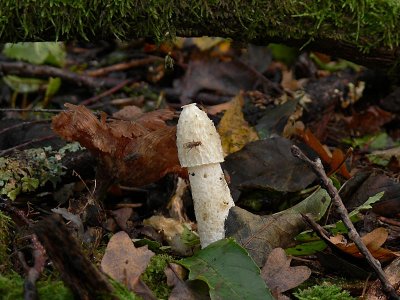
x=95, y=204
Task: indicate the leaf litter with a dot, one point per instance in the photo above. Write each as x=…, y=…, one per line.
x=263, y=104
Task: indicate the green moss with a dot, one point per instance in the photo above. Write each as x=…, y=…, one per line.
x=11, y=288
x=155, y=277
x=5, y=224
x=367, y=23
x=323, y=292
x=121, y=292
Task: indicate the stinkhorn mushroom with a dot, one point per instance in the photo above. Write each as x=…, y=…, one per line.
x=200, y=150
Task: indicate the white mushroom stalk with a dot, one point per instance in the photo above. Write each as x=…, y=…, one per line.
x=200, y=150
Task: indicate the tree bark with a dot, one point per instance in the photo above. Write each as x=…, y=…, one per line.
x=365, y=32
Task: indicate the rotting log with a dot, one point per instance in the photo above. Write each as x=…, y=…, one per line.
x=365, y=32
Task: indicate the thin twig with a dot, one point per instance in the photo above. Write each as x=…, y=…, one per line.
x=106, y=93
x=25, y=69
x=22, y=125
x=124, y=66
x=318, y=169
x=45, y=138
x=35, y=110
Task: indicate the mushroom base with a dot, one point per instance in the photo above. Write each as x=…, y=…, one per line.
x=212, y=201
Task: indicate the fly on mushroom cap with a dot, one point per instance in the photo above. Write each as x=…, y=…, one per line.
x=197, y=139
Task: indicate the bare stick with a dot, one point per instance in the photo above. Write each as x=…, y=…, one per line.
x=25, y=69
x=106, y=93
x=22, y=125
x=42, y=139
x=124, y=66
x=318, y=169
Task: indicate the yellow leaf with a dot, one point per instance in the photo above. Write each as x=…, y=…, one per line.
x=235, y=132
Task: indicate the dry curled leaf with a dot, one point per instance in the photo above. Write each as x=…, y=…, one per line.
x=133, y=153
x=279, y=275
x=334, y=159
x=124, y=262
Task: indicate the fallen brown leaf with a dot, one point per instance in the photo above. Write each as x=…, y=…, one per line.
x=121, y=216
x=133, y=153
x=279, y=275
x=124, y=262
x=368, y=121
x=373, y=240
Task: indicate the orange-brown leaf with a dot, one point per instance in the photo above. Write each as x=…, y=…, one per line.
x=337, y=163
x=335, y=159
x=368, y=121
x=135, y=152
x=311, y=140
x=79, y=124
x=372, y=240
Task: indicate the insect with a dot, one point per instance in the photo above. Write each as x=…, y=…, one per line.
x=191, y=145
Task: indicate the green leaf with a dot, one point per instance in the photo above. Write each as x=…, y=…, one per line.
x=24, y=85
x=308, y=248
x=311, y=242
x=53, y=86
x=38, y=53
x=189, y=237
x=228, y=271
x=316, y=204
x=377, y=141
x=29, y=184
x=339, y=227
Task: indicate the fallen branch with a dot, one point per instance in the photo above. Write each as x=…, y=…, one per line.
x=124, y=66
x=25, y=69
x=39, y=254
x=77, y=272
x=28, y=143
x=318, y=169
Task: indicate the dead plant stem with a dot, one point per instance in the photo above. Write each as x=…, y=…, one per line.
x=318, y=169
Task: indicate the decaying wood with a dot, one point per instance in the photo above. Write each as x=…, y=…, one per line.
x=77, y=272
